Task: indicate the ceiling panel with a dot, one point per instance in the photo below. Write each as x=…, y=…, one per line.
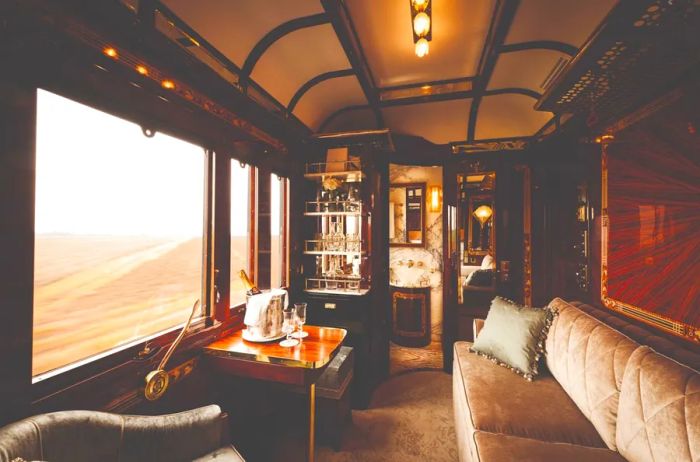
x=439, y=122
x=385, y=32
x=296, y=58
x=509, y=115
x=524, y=69
x=326, y=97
x=234, y=27
x=355, y=119
x=568, y=21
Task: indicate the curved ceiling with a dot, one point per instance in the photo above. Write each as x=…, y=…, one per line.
x=384, y=29
x=338, y=65
x=298, y=57
x=234, y=27
x=325, y=98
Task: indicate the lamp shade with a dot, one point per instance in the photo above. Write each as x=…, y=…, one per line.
x=422, y=47
x=483, y=214
x=421, y=24
x=435, y=198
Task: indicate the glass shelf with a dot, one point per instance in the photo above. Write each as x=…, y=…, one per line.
x=333, y=208
x=331, y=247
x=341, y=284
x=349, y=170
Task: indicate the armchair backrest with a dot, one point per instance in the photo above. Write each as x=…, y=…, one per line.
x=77, y=436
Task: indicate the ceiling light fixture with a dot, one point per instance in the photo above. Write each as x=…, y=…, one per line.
x=421, y=24
x=422, y=47
x=421, y=20
x=419, y=5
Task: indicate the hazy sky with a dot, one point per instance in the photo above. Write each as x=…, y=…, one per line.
x=98, y=174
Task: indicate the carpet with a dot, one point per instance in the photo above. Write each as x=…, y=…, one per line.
x=409, y=419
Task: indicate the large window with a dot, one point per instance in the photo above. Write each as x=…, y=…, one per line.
x=240, y=241
x=278, y=231
x=118, y=225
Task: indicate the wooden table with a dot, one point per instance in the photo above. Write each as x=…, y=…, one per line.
x=299, y=365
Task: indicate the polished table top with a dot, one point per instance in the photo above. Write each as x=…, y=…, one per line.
x=314, y=351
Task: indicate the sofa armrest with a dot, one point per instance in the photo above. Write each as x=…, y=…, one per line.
x=182, y=436
x=478, y=325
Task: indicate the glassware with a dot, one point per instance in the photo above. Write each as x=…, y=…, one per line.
x=300, y=309
x=288, y=327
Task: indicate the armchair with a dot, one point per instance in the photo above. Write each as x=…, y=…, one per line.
x=84, y=436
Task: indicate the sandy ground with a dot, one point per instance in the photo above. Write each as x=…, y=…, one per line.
x=94, y=293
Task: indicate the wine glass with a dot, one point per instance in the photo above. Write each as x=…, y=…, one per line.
x=300, y=309
x=288, y=327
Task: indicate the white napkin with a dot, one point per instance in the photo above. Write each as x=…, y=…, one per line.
x=256, y=303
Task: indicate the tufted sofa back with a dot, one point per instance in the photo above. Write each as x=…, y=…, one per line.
x=88, y=436
x=659, y=415
x=643, y=404
x=588, y=359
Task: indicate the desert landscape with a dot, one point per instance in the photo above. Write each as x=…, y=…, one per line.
x=95, y=293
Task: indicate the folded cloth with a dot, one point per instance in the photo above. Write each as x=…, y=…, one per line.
x=256, y=303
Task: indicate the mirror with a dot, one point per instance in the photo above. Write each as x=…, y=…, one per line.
x=407, y=215
x=477, y=210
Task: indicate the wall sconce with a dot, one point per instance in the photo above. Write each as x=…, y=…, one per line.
x=435, y=197
x=421, y=23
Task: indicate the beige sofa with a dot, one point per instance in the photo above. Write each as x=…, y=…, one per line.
x=603, y=398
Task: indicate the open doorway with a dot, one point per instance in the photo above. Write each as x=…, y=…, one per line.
x=415, y=268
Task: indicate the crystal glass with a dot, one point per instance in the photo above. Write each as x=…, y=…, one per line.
x=300, y=309
x=288, y=326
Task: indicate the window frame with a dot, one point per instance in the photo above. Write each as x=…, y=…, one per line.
x=124, y=353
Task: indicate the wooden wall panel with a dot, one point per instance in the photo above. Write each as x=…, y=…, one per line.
x=17, y=140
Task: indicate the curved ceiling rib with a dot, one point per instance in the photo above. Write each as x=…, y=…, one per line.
x=500, y=25
x=540, y=45
x=276, y=34
x=517, y=91
x=315, y=81
x=340, y=111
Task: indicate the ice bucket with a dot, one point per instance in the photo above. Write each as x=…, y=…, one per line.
x=264, y=314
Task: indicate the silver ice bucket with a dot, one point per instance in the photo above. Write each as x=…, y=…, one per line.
x=271, y=316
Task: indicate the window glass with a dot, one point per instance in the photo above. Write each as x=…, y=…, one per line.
x=240, y=242
x=277, y=232
x=118, y=232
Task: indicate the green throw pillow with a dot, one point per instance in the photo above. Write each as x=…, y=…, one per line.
x=513, y=336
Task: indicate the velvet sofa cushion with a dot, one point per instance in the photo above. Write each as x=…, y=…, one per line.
x=513, y=336
x=588, y=359
x=498, y=401
x=659, y=416
x=498, y=448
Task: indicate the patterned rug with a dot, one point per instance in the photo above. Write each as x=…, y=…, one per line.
x=410, y=419
x=402, y=359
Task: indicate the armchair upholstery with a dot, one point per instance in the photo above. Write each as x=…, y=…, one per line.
x=77, y=436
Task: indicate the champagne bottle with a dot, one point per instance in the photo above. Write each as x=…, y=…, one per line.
x=251, y=288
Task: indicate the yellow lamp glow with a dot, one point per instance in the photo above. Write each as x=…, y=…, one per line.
x=168, y=84
x=422, y=48
x=421, y=24
x=435, y=197
x=420, y=5
x=111, y=52
x=483, y=214
x=142, y=69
